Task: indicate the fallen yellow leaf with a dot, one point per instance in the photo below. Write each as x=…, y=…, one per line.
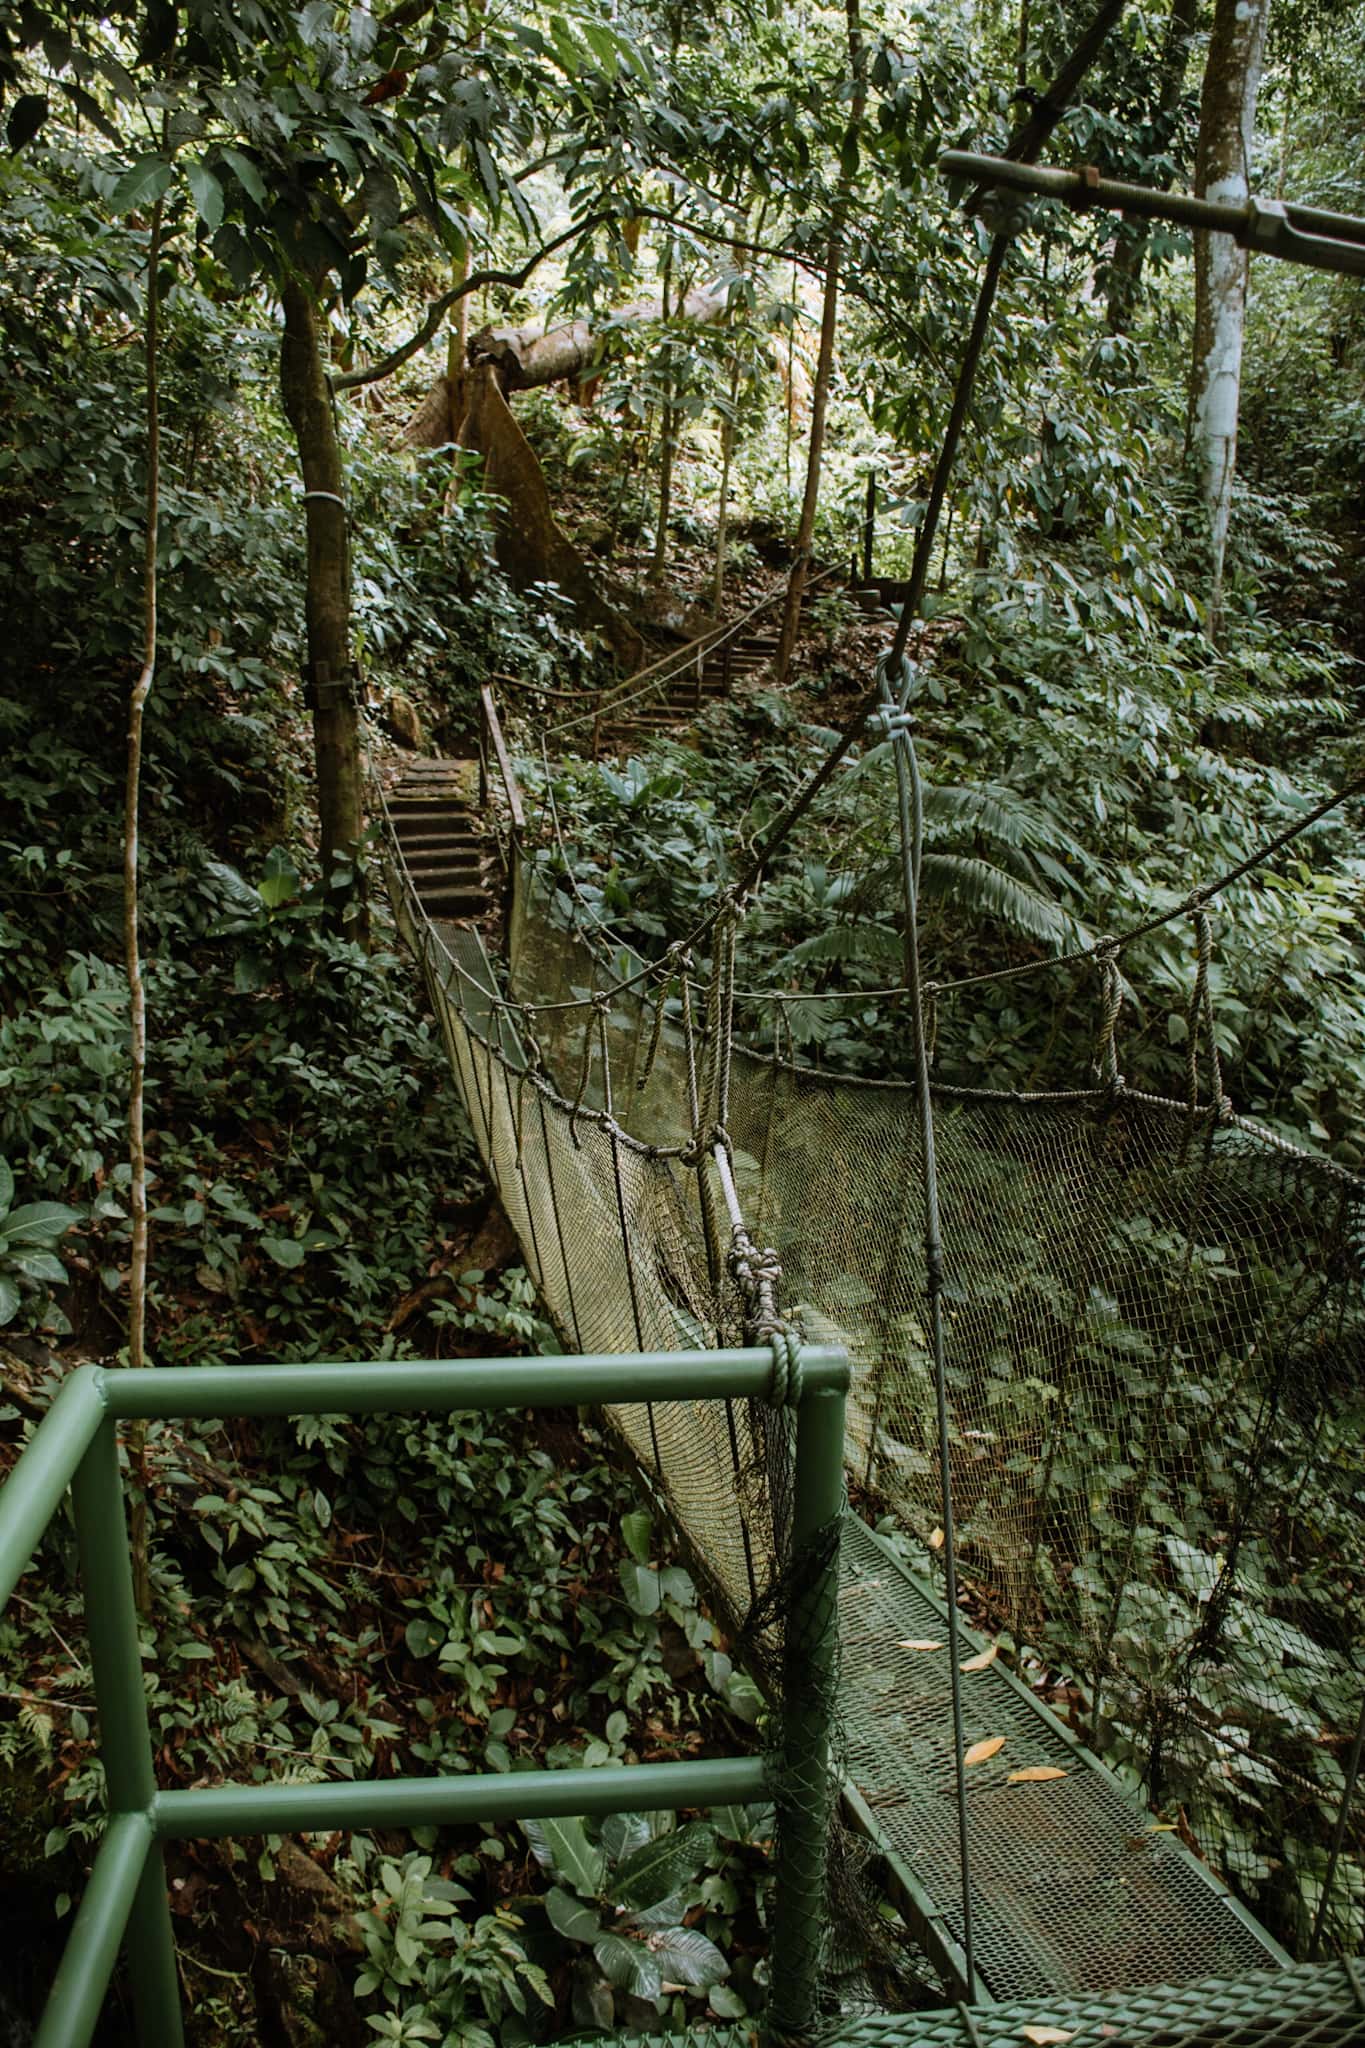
x=936, y=1539
x=1047, y=2037
x=980, y=1751
x=918, y=1643
x=979, y=1662
x=1036, y=1774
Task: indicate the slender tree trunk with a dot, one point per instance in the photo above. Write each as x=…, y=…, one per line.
x=669, y=427
x=1130, y=249
x=727, y=450
x=1227, y=119
x=829, y=320
x=336, y=723
x=137, y=994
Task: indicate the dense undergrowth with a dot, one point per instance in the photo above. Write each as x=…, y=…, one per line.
x=331, y=1599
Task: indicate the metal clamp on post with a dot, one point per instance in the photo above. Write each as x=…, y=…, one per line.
x=322, y=691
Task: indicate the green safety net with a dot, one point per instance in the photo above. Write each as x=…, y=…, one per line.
x=1154, y=1373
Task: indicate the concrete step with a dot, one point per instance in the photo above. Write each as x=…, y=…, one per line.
x=455, y=903
x=436, y=838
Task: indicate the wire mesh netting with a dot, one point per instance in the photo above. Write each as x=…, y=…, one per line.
x=1154, y=1371
x=1156, y=1330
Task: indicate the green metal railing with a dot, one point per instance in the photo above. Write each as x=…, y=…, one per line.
x=125, y=1903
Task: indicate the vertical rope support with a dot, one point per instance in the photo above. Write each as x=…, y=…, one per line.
x=514, y=1112
x=559, y=1223
x=910, y=807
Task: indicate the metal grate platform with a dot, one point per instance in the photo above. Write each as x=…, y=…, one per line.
x=1071, y=1888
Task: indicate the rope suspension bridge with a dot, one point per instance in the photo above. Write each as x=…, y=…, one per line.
x=1087, y=1364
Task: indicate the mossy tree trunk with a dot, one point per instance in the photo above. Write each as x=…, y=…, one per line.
x=336, y=720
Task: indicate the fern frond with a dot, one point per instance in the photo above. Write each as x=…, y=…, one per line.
x=985, y=891
x=868, y=944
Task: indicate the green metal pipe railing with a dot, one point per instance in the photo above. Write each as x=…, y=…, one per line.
x=125, y=1902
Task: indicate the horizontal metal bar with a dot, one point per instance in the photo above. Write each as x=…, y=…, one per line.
x=33, y=1492
x=73, y=2007
x=1296, y=234
x=453, y=1802
x=449, y=1386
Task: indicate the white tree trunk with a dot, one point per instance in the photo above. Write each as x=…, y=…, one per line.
x=1227, y=120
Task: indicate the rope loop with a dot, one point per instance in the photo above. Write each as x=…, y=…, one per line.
x=1199, y=1018
x=1111, y=1003
x=788, y=1381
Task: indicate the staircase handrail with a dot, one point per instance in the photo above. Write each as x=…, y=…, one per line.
x=491, y=734
x=658, y=674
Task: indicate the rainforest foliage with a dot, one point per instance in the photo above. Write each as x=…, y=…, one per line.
x=410, y=269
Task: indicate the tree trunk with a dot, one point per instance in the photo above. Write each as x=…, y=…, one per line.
x=1130, y=248
x=336, y=724
x=531, y=546
x=1227, y=117
x=669, y=425
x=848, y=170
x=727, y=450
x=137, y=994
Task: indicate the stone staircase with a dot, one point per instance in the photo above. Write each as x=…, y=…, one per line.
x=442, y=839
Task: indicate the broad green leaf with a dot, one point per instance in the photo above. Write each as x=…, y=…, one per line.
x=563, y=1848
x=285, y=1251
x=570, y=1917
x=659, y=1867
x=143, y=185
x=208, y=194
x=629, y=1965
x=247, y=175
x=686, y=1957
x=635, y=1533
x=39, y=1266
x=6, y=1187
x=9, y=1301
x=40, y=1223
x=641, y=1588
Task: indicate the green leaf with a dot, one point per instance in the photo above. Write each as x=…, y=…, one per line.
x=27, y=116
x=725, y=2003
x=285, y=1251
x=570, y=1917
x=641, y=1588
x=247, y=176
x=39, y=1266
x=6, y=1187
x=143, y=185
x=635, y=1533
x=562, y=1847
x=40, y=1223
x=686, y=1957
x=9, y=1301
x=652, y=1872
x=629, y=1965
x=208, y=194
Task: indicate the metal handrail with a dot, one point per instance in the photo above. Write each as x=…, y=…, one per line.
x=491, y=734
x=1273, y=227
x=125, y=1901
x=659, y=674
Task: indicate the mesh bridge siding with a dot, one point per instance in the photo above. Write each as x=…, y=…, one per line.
x=1050, y=1210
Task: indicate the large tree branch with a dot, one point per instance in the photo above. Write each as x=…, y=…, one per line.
x=436, y=312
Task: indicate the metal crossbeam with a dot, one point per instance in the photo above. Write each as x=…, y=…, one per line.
x=1272, y=227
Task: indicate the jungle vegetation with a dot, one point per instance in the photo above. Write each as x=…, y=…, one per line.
x=355, y=357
